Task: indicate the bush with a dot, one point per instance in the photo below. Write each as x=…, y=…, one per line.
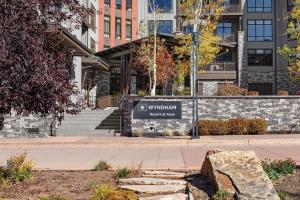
x=102, y=166
x=257, y=126
x=139, y=133
x=108, y=192
x=168, y=132
x=282, y=93
x=142, y=93
x=123, y=173
x=253, y=93
x=278, y=168
x=222, y=195
x=238, y=126
x=53, y=197
x=231, y=90
x=185, y=92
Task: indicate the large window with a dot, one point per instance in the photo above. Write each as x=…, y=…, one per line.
x=107, y=3
x=224, y=29
x=260, y=57
x=128, y=29
x=106, y=26
x=118, y=4
x=163, y=26
x=188, y=29
x=259, y=6
x=118, y=28
x=128, y=5
x=260, y=30
x=162, y=5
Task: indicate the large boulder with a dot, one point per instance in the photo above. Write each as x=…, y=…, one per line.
x=239, y=173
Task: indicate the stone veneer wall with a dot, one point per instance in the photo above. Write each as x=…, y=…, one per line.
x=30, y=126
x=282, y=113
x=103, y=84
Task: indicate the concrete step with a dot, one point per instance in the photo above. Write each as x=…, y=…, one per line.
x=155, y=189
x=164, y=174
x=151, y=181
x=177, y=196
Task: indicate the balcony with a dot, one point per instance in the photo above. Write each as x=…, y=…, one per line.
x=229, y=9
x=228, y=38
x=219, y=71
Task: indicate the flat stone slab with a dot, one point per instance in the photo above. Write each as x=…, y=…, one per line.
x=164, y=174
x=245, y=171
x=177, y=196
x=151, y=181
x=155, y=189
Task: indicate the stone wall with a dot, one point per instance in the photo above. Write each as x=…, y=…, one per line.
x=103, y=84
x=281, y=113
x=29, y=126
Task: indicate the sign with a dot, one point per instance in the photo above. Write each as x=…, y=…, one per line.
x=157, y=110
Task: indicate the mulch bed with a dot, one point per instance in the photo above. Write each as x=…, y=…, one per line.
x=289, y=186
x=74, y=185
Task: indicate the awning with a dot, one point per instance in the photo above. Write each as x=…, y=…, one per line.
x=94, y=61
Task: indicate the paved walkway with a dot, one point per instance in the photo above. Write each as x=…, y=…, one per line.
x=64, y=153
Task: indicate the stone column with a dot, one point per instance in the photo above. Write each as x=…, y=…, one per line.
x=133, y=85
x=103, y=84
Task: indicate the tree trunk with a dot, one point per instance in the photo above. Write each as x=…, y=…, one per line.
x=1, y=122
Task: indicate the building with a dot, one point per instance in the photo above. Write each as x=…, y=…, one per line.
x=117, y=22
x=251, y=31
x=166, y=18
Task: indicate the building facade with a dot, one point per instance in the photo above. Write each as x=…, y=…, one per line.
x=251, y=31
x=117, y=22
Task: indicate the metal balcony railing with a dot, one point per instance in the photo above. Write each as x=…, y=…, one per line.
x=228, y=8
x=228, y=37
x=221, y=66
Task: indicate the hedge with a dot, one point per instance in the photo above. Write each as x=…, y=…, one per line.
x=238, y=126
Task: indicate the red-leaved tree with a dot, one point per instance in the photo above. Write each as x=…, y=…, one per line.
x=36, y=68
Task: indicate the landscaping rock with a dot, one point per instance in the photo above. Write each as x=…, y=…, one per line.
x=164, y=174
x=239, y=173
x=155, y=189
x=177, y=196
x=151, y=181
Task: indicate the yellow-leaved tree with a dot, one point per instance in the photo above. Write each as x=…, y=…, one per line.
x=292, y=52
x=202, y=15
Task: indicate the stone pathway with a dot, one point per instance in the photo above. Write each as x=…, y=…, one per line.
x=157, y=185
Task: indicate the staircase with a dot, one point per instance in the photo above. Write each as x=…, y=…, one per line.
x=91, y=123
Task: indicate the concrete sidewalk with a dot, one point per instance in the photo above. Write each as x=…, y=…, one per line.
x=154, y=153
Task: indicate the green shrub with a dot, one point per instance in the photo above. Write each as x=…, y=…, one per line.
x=53, y=197
x=123, y=173
x=222, y=195
x=102, y=166
x=139, y=133
x=257, y=126
x=142, y=93
x=278, y=168
x=238, y=126
x=108, y=192
x=283, y=195
x=168, y=132
x=231, y=90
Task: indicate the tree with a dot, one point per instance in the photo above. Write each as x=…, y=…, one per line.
x=164, y=61
x=292, y=53
x=208, y=14
x=36, y=67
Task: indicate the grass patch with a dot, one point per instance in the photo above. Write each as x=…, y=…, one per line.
x=102, y=166
x=18, y=169
x=279, y=168
x=108, y=192
x=222, y=195
x=283, y=195
x=53, y=197
x=123, y=173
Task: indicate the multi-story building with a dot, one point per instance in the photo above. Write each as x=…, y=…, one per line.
x=166, y=19
x=117, y=22
x=251, y=31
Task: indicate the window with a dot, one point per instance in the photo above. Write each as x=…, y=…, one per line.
x=261, y=88
x=128, y=5
x=93, y=18
x=260, y=57
x=163, y=26
x=106, y=47
x=118, y=28
x=259, y=6
x=106, y=26
x=260, y=30
x=93, y=45
x=188, y=29
x=224, y=57
x=128, y=30
x=107, y=3
x=118, y=4
x=165, y=6
x=224, y=29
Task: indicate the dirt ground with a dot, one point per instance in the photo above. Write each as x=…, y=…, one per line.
x=74, y=185
x=289, y=186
